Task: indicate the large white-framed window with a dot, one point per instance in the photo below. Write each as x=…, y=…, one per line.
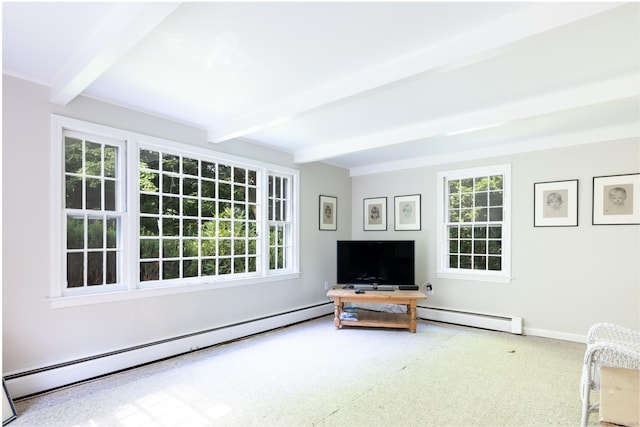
x=146, y=216
x=474, y=224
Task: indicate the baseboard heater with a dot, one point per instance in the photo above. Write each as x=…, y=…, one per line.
x=478, y=320
x=36, y=381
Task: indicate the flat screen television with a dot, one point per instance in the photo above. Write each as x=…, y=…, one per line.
x=376, y=262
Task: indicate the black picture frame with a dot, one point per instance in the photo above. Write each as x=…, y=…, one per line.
x=328, y=213
x=555, y=203
x=616, y=200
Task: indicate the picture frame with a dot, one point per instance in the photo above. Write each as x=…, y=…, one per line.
x=616, y=199
x=407, y=212
x=375, y=214
x=555, y=203
x=8, y=410
x=328, y=213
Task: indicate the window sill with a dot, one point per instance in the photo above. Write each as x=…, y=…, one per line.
x=116, y=296
x=475, y=277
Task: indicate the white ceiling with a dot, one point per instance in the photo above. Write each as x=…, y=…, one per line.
x=366, y=86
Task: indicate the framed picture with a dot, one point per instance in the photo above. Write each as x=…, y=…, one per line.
x=375, y=214
x=616, y=199
x=328, y=213
x=555, y=204
x=8, y=410
x=407, y=212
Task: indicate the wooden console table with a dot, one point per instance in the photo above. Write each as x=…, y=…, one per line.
x=374, y=318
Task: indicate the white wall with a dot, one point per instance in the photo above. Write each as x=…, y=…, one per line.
x=565, y=278
x=35, y=335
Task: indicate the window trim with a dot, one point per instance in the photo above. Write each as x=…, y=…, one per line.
x=442, y=271
x=134, y=289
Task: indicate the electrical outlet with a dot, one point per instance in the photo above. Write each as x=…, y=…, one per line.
x=429, y=288
x=326, y=285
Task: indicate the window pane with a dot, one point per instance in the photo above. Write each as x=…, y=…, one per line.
x=481, y=199
x=149, y=181
x=110, y=195
x=95, y=237
x=224, y=266
x=239, y=193
x=495, y=263
x=75, y=232
x=73, y=192
x=208, y=188
x=495, y=247
x=170, y=205
x=496, y=182
x=454, y=186
x=495, y=214
x=170, y=163
x=149, y=203
x=453, y=232
x=240, y=175
x=465, y=261
x=207, y=208
x=466, y=232
x=75, y=269
x=453, y=261
x=481, y=214
x=495, y=198
x=495, y=232
x=149, y=248
x=189, y=187
x=94, y=193
x=110, y=158
x=149, y=271
x=208, y=170
x=224, y=191
x=190, y=227
x=190, y=207
x=95, y=268
x=190, y=248
x=190, y=268
x=190, y=167
x=208, y=267
x=239, y=247
x=238, y=265
x=465, y=246
x=149, y=226
x=170, y=248
x=112, y=267
x=480, y=262
x=73, y=155
x=112, y=233
x=224, y=173
x=170, y=227
x=170, y=270
x=481, y=184
x=479, y=247
x=93, y=159
x=170, y=184
x=208, y=248
x=149, y=159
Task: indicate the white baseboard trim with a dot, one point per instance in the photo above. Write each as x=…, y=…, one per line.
x=26, y=383
x=556, y=335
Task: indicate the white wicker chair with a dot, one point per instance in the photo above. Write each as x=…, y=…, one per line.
x=607, y=345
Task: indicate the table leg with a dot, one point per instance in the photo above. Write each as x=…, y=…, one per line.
x=337, y=308
x=412, y=314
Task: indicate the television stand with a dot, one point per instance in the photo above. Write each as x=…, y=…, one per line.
x=376, y=318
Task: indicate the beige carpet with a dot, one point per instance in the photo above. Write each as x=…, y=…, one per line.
x=313, y=375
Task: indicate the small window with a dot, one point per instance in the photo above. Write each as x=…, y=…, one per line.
x=474, y=218
x=93, y=205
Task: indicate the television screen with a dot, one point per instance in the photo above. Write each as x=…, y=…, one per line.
x=376, y=262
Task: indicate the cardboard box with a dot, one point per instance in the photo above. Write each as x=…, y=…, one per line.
x=620, y=396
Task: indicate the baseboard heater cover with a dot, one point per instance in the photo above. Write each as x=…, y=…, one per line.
x=512, y=324
x=35, y=381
